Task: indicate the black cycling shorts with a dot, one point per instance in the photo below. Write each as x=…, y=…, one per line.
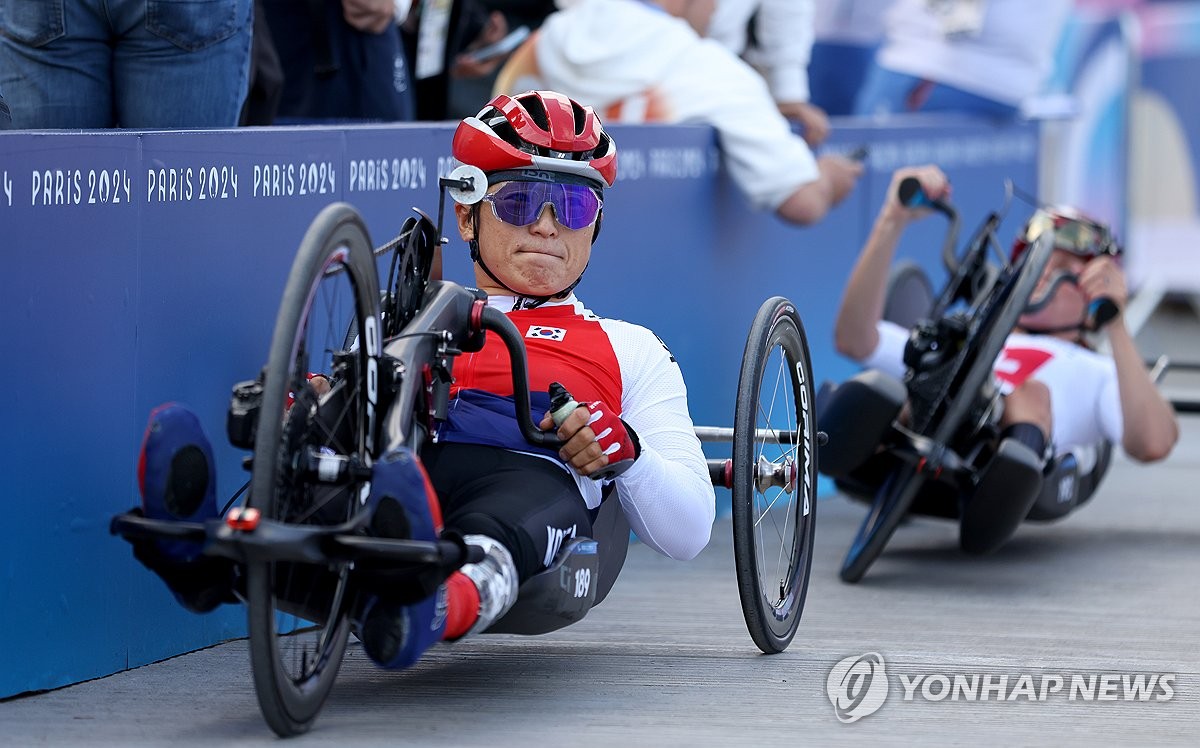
x=528, y=503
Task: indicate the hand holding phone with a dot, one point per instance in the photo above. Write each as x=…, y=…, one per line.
x=500, y=47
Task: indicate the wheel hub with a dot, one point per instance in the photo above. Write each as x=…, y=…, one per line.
x=769, y=474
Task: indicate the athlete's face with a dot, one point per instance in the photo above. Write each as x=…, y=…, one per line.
x=1068, y=304
x=540, y=259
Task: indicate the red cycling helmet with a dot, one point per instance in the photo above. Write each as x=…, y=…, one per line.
x=532, y=133
x=1074, y=232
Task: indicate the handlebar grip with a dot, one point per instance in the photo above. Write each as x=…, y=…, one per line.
x=912, y=195
x=1100, y=312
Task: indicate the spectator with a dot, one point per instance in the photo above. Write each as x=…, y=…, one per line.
x=5, y=117
x=93, y=64
x=982, y=58
x=266, y=75
x=778, y=47
x=846, y=34
x=442, y=37
x=342, y=60
x=471, y=77
x=635, y=63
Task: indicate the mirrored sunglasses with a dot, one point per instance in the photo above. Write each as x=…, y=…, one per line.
x=520, y=203
x=1082, y=238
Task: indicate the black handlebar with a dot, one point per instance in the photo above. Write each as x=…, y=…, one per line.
x=911, y=194
x=496, y=321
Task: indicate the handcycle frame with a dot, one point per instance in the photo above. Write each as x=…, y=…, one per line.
x=392, y=375
x=933, y=447
x=948, y=387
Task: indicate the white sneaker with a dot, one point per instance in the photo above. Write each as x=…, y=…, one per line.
x=495, y=578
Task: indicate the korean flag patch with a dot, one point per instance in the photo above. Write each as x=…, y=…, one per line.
x=545, y=333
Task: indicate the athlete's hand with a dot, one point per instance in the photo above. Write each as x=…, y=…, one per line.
x=1102, y=277
x=596, y=442
x=934, y=183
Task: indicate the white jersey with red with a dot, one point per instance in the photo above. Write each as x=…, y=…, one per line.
x=1085, y=403
x=667, y=493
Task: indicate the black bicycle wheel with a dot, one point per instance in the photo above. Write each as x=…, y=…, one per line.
x=909, y=296
x=299, y=613
x=984, y=343
x=774, y=475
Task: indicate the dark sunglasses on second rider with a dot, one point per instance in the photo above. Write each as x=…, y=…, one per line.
x=517, y=203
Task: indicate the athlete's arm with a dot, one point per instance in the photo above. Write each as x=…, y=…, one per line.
x=667, y=493
x=855, y=332
x=1150, y=429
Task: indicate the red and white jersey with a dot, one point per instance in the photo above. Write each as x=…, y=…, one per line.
x=1085, y=403
x=667, y=493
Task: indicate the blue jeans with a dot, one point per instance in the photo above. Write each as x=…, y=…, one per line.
x=124, y=63
x=888, y=92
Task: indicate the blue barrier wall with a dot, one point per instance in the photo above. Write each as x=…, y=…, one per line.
x=145, y=267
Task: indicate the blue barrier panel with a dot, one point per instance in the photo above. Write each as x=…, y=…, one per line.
x=145, y=267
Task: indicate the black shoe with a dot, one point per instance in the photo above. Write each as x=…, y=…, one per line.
x=1008, y=486
x=383, y=631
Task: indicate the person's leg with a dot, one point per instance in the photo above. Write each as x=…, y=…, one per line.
x=518, y=508
x=885, y=91
x=55, y=64
x=527, y=503
x=178, y=481
x=943, y=98
x=1009, y=485
x=5, y=115
x=178, y=65
x=1027, y=416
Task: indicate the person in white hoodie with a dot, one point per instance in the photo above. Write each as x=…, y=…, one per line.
x=647, y=61
x=782, y=42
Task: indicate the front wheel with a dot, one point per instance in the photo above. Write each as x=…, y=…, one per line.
x=774, y=475
x=299, y=613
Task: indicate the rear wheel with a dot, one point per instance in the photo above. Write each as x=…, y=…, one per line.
x=774, y=475
x=299, y=613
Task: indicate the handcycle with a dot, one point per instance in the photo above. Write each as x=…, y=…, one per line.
x=921, y=444
x=301, y=545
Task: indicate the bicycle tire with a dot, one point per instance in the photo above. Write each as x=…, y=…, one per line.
x=291, y=694
x=773, y=600
x=896, y=494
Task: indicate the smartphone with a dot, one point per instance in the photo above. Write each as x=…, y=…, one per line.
x=501, y=47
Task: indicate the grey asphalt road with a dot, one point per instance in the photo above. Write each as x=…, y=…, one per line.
x=1109, y=594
